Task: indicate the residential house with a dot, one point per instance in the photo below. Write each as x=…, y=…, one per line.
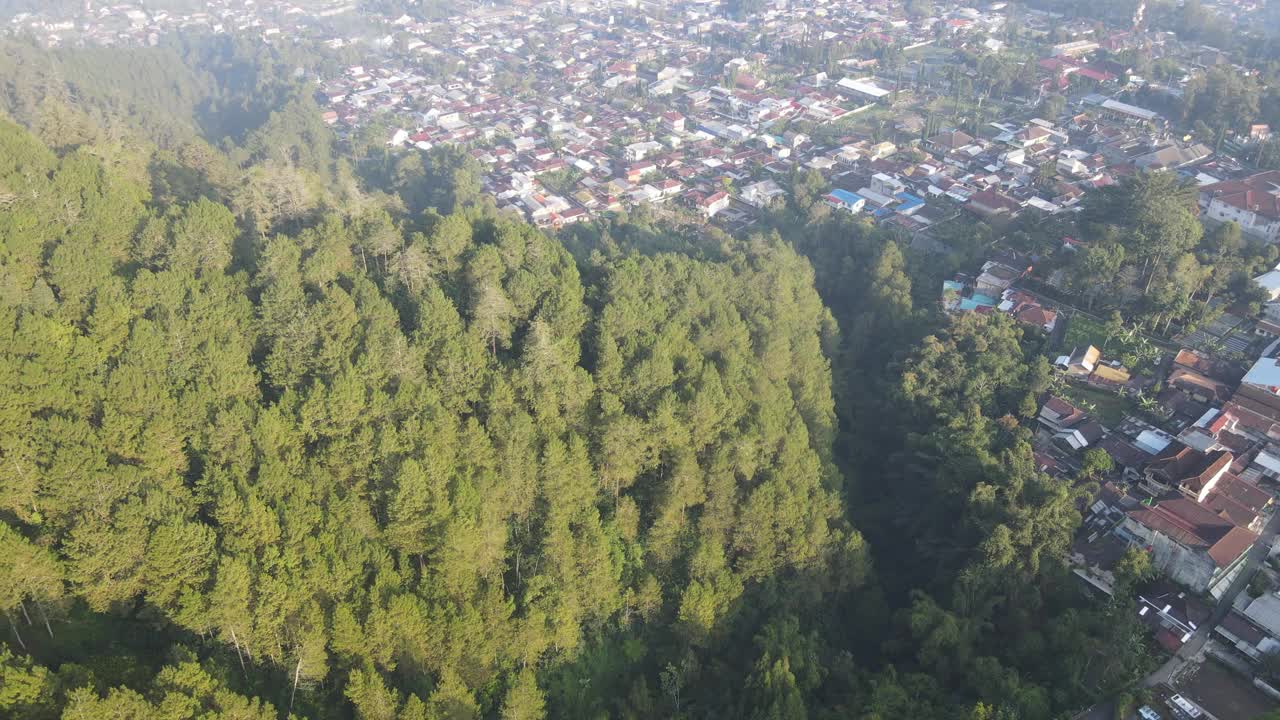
x=1253, y=203
x=1197, y=386
x=996, y=277
x=1256, y=402
x=1057, y=414
x=670, y=188
x=1179, y=468
x=1269, y=281
x=1261, y=613
x=945, y=142
x=1069, y=425
x=887, y=185
x=714, y=203
x=845, y=200
x=1269, y=324
x=1266, y=463
x=639, y=171
x=1239, y=501
x=1081, y=361
x=646, y=194
x=1172, y=614
x=1126, y=456
x=573, y=215
x=1096, y=549
x=762, y=194
x=1214, y=369
x=1082, y=435
x=992, y=203
x=636, y=152
x=1190, y=543
x=1072, y=162
x=1173, y=156
x=1246, y=636
x=882, y=150
x=1031, y=137
x=1111, y=373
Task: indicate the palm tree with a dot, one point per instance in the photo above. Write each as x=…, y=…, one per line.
x=1056, y=383
x=1146, y=402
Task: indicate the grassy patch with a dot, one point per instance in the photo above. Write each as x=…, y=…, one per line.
x=1109, y=408
x=1136, y=352
x=1082, y=332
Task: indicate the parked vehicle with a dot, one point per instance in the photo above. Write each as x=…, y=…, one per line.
x=1186, y=708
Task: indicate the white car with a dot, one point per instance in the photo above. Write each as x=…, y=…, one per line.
x=1187, y=707
x=1146, y=713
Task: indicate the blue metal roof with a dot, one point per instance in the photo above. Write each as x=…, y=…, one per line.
x=845, y=196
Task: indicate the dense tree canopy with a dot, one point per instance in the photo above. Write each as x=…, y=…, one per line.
x=423, y=461
x=288, y=426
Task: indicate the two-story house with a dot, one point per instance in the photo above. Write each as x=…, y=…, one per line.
x=1256, y=402
x=1184, y=470
x=1190, y=543
x=1253, y=203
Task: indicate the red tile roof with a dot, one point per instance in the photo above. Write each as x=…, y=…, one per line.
x=1229, y=509
x=712, y=199
x=1060, y=407
x=1098, y=75
x=1193, y=525
x=1036, y=315
x=1181, y=465
x=1233, y=545
x=1244, y=492
x=995, y=201
x=1169, y=641
x=1256, y=193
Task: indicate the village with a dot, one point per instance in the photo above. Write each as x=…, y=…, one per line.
x=604, y=106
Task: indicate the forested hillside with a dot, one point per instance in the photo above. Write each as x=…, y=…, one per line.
x=425, y=461
x=223, y=90
x=294, y=429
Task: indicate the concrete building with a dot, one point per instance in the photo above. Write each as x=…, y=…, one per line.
x=1252, y=203
x=1189, y=543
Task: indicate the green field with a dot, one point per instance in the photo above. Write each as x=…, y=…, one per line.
x=1083, y=331
x=1108, y=407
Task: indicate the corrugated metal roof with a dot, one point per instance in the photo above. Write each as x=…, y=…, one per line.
x=1266, y=371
